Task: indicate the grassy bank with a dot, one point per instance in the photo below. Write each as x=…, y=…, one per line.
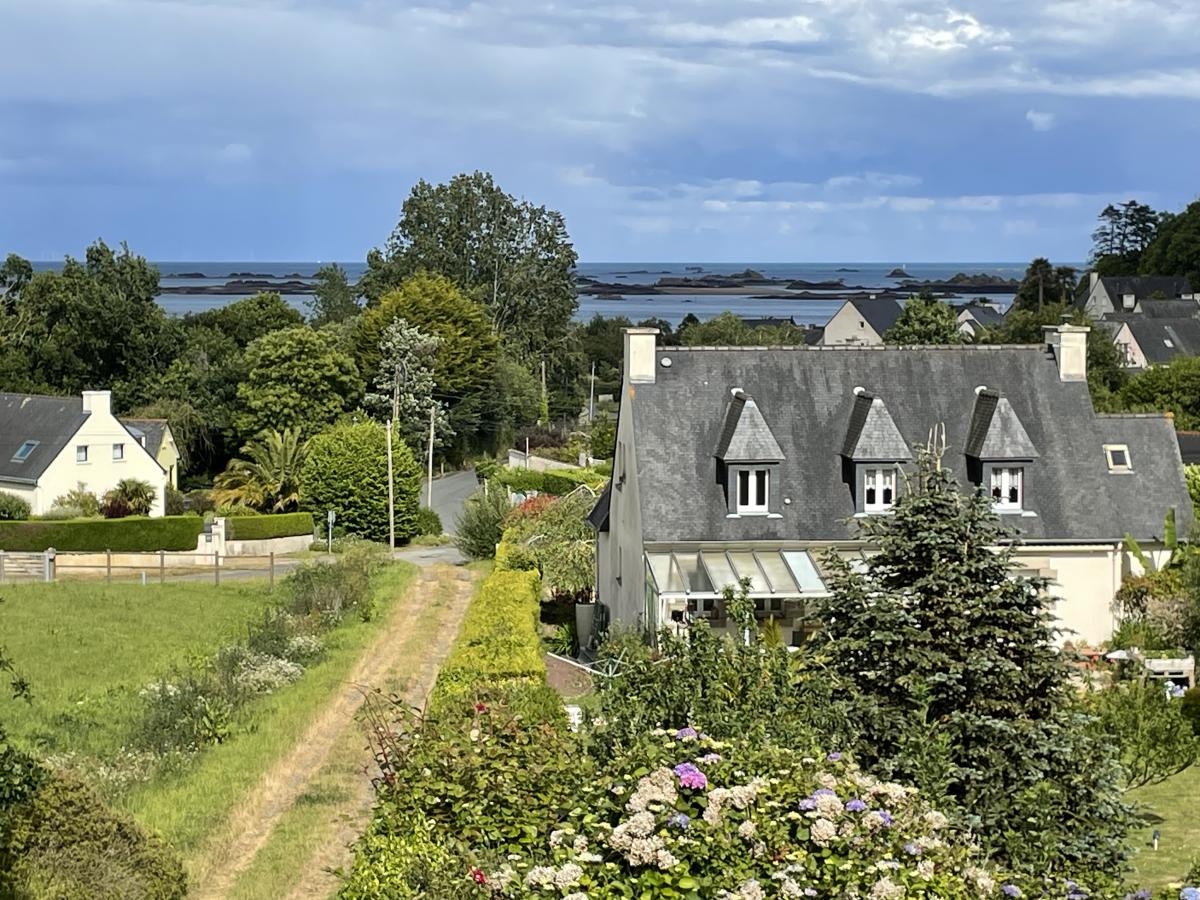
x=1169, y=807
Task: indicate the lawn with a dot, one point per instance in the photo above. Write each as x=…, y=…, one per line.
x=87, y=649
x=1169, y=807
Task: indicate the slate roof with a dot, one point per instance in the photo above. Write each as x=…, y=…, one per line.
x=872, y=435
x=1169, y=309
x=985, y=315
x=746, y=437
x=1162, y=340
x=879, y=314
x=806, y=397
x=996, y=432
x=153, y=430
x=51, y=421
x=1143, y=286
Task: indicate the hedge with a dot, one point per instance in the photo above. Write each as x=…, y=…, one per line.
x=554, y=481
x=262, y=528
x=135, y=534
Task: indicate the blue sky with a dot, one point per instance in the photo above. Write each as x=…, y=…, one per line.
x=676, y=130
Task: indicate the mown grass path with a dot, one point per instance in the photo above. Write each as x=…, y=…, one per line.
x=297, y=823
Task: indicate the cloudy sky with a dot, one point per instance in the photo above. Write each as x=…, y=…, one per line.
x=740, y=130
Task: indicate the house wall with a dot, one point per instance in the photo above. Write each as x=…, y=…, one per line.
x=848, y=327
x=168, y=458
x=101, y=472
x=1129, y=347
x=1098, y=303
x=621, y=569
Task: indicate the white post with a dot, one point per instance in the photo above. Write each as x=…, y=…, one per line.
x=592, y=400
x=429, y=492
x=391, y=491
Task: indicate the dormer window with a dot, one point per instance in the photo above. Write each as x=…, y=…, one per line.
x=879, y=489
x=1008, y=489
x=753, y=491
x=1117, y=456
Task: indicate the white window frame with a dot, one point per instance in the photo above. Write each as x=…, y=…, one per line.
x=753, y=491
x=880, y=480
x=81, y=453
x=118, y=452
x=1109, y=449
x=1006, y=479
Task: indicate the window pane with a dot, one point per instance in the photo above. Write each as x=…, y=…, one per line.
x=746, y=567
x=870, y=496
x=760, y=478
x=660, y=565
x=675, y=583
x=777, y=573
x=693, y=573
x=743, y=497
x=720, y=574
x=802, y=567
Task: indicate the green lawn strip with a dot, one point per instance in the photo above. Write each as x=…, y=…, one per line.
x=88, y=649
x=1170, y=807
x=185, y=807
x=277, y=866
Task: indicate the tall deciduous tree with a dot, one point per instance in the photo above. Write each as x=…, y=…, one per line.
x=950, y=648
x=244, y=321
x=925, y=320
x=1045, y=284
x=295, y=378
x=405, y=384
x=1176, y=247
x=333, y=299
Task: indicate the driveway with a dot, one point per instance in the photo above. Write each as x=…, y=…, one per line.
x=449, y=493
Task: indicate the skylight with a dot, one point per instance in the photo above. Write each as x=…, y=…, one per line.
x=1118, y=458
x=24, y=450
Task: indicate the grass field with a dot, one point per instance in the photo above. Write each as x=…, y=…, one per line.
x=87, y=649
x=1171, y=807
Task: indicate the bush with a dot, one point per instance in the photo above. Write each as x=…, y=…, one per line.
x=129, y=535
x=330, y=589
x=1189, y=706
x=79, y=498
x=63, y=843
x=236, y=511
x=261, y=528
x=61, y=514
x=428, y=522
x=185, y=712
x=175, y=502
x=553, y=481
x=199, y=501
x=480, y=525
x=12, y=508
x=346, y=471
x=132, y=494
x=1150, y=730
x=115, y=507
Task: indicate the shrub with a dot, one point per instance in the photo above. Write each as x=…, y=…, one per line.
x=346, y=471
x=1150, y=730
x=61, y=514
x=12, y=508
x=199, y=501
x=79, y=498
x=129, y=535
x=428, y=522
x=236, y=511
x=115, y=507
x=130, y=493
x=62, y=842
x=175, y=503
x=1189, y=706
x=330, y=589
x=480, y=525
x=185, y=712
x=259, y=528
x=553, y=481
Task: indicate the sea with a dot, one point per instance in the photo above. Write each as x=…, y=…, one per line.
x=870, y=276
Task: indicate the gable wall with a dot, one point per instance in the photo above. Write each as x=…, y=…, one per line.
x=848, y=327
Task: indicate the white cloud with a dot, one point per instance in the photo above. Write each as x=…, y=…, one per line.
x=1040, y=121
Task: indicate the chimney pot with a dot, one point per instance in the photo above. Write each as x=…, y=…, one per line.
x=1068, y=343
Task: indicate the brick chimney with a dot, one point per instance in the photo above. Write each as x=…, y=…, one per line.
x=1068, y=343
x=98, y=402
x=639, y=355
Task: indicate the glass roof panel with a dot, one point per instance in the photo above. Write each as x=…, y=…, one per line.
x=660, y=564
x=746, y=567
x=693, y=572
x=720, y=574
x=777, y=573
x=675, y=583
x=804, y=569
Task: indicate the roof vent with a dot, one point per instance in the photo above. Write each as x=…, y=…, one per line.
x=736, y=391
x=980, y=389
x=858, y=390
x=665, y=362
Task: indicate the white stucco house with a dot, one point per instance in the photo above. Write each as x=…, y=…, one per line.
x=861, y=322
x=51, y=445
x=756, y=461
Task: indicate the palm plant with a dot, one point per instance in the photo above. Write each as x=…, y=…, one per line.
x=269, y=477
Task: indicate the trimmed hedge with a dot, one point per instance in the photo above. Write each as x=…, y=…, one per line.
x=262, y=528
x=135, y=534
x=554, y=481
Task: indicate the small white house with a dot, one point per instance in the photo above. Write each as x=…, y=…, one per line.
x=51, y=445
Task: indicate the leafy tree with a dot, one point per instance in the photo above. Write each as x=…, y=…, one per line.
x=1154, y=737
x=1045, y=284
x=346, y=471
x=1175, y=249
x=563, y=543
x=269, y=478
x=947, y=645
x=514, y=401
x=728, y=330
x=603, y=343
x=245, y=321
x=666, y=333
x=405, y=386
x=333, y=300
x=1173, y=388
x=925, y=320
x=295, y=378
x=14, y=275
x=1125, y=232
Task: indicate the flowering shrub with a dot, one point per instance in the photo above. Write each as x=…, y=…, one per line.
x=264, y=674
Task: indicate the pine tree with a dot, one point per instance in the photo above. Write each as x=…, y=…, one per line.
x=950, y=651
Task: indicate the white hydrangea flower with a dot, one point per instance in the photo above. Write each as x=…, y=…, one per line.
x=822, y=832
x=925, y=869
x=540, y=876
x=886, y=889
x=747, y=830
x=568, y=875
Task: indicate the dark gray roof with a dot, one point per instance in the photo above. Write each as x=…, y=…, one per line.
x=1144, y=286
x=807, y=396
x=814, y=335
x=996, y=432
x=880, y=314
x=51, y=421
x=746, y=436
x=1189, y=447
x=1170, y=309
x=872, y=435
x=153, y=430
x=1162, y=340
x=982, y=313
x=598, y=517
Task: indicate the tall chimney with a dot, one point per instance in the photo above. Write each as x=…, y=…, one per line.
x=1093, y=277
x=98, y=402
x=1068, y=343
x=639, y=355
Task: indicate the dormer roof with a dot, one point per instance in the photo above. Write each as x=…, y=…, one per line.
x=873, y=435
x=746, y=436
x=995, y=431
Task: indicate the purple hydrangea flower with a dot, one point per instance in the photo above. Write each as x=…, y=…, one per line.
x=690, y=776
x=886, y=816
x=913, y=850
x=834, y=757
x=686, y=734
x=808, y=803
x=1010, y=890
x=709, y=758
x=1189, y=893
x=679, y=820
x=855, y=805
x=824, y=792
x=1141, y=894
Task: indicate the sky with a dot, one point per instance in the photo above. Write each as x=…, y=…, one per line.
x=678, y=130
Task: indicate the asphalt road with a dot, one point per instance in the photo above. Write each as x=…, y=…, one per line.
x=449, y=494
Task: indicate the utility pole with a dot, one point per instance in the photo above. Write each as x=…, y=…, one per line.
x=391, y=491
x=592, y=399
x=429, y=492
x=545, y=400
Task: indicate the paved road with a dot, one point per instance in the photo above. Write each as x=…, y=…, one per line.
x=449, y=494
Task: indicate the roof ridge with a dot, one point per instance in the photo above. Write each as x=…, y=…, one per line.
x=845, y=347
x=1141, y=415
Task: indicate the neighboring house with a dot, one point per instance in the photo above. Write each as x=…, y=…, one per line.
x=750, y=462
x=975, y=316
x=1154, y=341
x=155, y=435
x=861, y=322
x=51, y=445
x=1128, y=294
